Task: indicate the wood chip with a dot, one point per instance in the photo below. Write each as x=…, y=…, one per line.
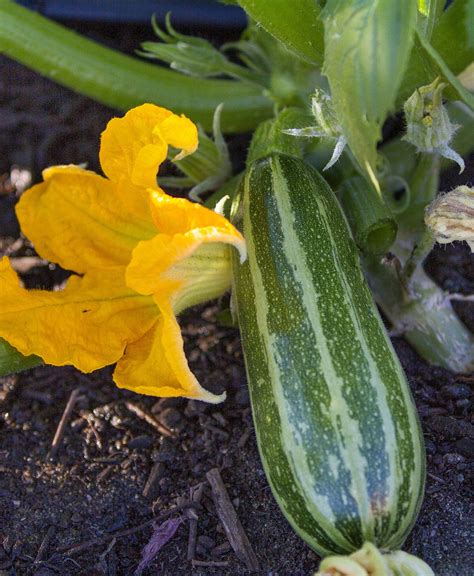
x=195, y=494
x=151, y=487
x=210, y=563
x=233, y=528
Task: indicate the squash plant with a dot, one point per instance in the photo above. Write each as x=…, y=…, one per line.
x=329, y=217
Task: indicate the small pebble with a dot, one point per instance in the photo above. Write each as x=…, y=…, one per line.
x=171, y=417
x=76, y=518
x=194, y=408
x=221, y=549
x=242, y=397
x=453, y=458
x=206, y=541
x=163, y=403
x=430, y=446
x=466, y=446
x=140, y=442
x=457, y=391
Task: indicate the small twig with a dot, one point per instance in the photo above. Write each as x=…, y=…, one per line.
x=462, y=378
x=233, y=528
x=102, y=563
x=104, y=474
x=195, y=494
x=26, y=263
x=90, y=423
x=210, y=563
x=44, y=544
x=149, y=419
x=77, y=548
x=63, y=423
x=437, y=478
x=460, y=297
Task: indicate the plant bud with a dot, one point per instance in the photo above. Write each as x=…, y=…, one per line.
x=451, y=216
x=327, y=125
x=428, y=125
x=323, y=111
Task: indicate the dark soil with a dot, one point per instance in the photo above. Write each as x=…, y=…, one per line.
x=95, y=486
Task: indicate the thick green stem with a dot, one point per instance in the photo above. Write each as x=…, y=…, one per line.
x=423, y=185
x=425, y=317
x=119, y=80
x=371, y=221
x=418, y=255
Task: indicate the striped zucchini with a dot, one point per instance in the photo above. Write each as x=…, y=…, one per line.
x=335, y=421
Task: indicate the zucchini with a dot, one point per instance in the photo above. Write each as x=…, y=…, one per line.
x=336, y=425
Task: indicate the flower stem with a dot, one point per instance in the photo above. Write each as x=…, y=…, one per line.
x=424, y=316
x=119, y=80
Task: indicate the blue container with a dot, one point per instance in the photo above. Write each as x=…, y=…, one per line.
x=189, y=13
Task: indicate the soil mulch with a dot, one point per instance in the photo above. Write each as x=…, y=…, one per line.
x=84, y=504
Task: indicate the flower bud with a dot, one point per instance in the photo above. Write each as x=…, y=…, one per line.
x=370, y=561
x=327, y=125
x=451, y=216
x=323, y=111
x=428, y=125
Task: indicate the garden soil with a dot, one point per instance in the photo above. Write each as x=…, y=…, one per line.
x=99, y=485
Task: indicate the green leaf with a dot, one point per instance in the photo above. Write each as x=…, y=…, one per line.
x=457, y=89
x=429, y=12
x=450, y=36
x=447, y=54
x=367, y=46
x=194, y=56
x=470, y=23
x=12, y=361
x=298, y=27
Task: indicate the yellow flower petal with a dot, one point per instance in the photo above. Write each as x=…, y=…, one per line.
x=88, y=324
x=146, y=164
x=340, y=566
x=185, y=268
x=78, y=220
x=178, y=216
x=156, y=365
x=181, y=133
x=134, y=146
x=191, y=263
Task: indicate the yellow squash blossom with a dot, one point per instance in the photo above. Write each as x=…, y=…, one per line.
x=140, y=257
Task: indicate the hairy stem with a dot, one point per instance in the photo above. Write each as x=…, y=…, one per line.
x=119, y=80
x=424, y=315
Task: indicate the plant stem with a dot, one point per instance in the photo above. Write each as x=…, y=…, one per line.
x=418, y=255
x=119, y=80
x=372, y=223
x=425, y=317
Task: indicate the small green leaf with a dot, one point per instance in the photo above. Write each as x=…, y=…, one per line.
x=447, y=54
x=429, y=12
x=367, y=46
x=12, y=361
x=298, y=27
x=470, y=23
x=450, y=36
